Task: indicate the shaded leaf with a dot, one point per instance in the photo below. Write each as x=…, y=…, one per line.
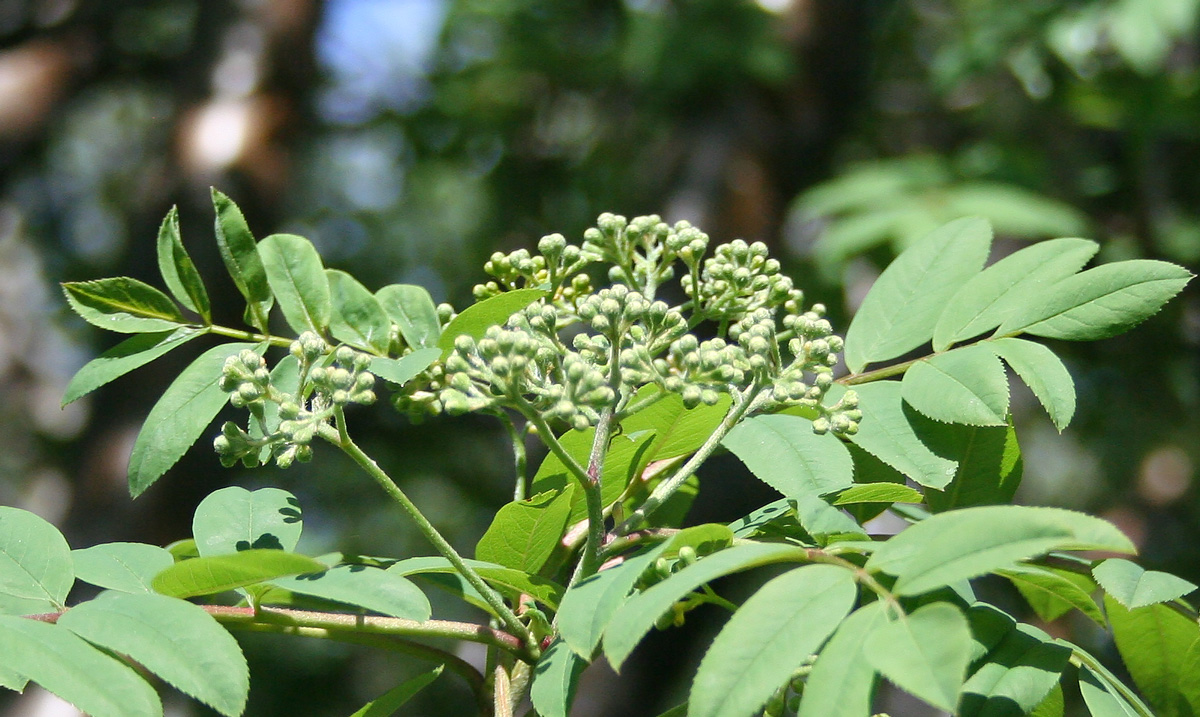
x=234, y=519
x=126, y=567
x=177, y=268
x=768, y=637
x=241, y=257
x=524, y=533
x=991, y=295
x=842, y=680
x=179, y=417
x=924, y=653
x=1053, y=706
x=969, y=542
x=626, y=454
x=900, y=311
x=1151, y=641
x=1051, y=593
x=363, y=586
x=1017, y=675
x=134, y=352
x=216, y=574
x=174, y=639
x=1044, y=373
x=555, y=677
x=635, y=618
x=1101, y=302
x=413, y=311
x=678, y=430
x=589, y=605
x=357, y=317
x=402, y=370
x=386, y=704
x=36, y=570
x=824, y=522
x=988, y=458
x=1133, y=586
x=783, y=452
x=886, y=433
x=479, y=317
x=124, y=305
x=63, y=663
x=966, y=385
x=508, y=582
x=1101, y=697
x=297, y=278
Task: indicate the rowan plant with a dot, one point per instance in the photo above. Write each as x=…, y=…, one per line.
x=634, y=356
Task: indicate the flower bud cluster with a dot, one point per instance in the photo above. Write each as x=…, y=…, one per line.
x=557, y=265
x=642, y=251
x=739, y=279
x=246, y=379
x=348, y=380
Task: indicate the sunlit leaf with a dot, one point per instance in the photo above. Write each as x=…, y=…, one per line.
x=233, y=519
x=555, y=677
x=177, y=268
x=402, y=370
x=123, y=305
x=842, y=681
x=1133, y=586
x=297, y=278
x=216, y=574
x=126, y=567
x=363, y=586
x=783, y=452
x=479, y=317
x=240, y=254
x=134, y=352
x=1044, y=373
x=966, y=385
x=525, y=532
x=386, y=704
x=413, y=311
x=1152, y=641
x=36, y=570
x=924, y=653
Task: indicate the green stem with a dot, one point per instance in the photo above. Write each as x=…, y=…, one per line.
x=556, y=447
x=493, y=599
x=667, y=488
x=248, y=335
x=517, y=436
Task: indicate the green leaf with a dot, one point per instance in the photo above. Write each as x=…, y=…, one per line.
x=989, y=463
x=386, y=704
x=678, y=430
x=966, y=385
x=363, y=586
x=357, y=319
x=842, y=681
x=174, y=639
x=1101, y=302
x=824, y=522
x=676, y=711
x=626, y=455
x=126, y=567
x=297, y=278
x=525, y=532
x=1044, y=373
x=969, y=542
x=413, y=311
x=183, y=549
x=924, y=653
x=768, y=637
x=241, y=257
x=1133, y=586
x=234, y=519
x=991, y=295
x=783, y=452
x=869, y=470
x=900, y=311
x=635, y=618
x=555, y=677
x=1051, y=593
x=753, y=523
x=12, y=680
x=1189, y=677
x=402, y=370
x=877, y=493
x=66, y=665
x=216, y=574
x=589, y=605
x=35, y=564
x=1053, y=706
x=124, y=305
x=134, y=352
x=177, y=268
x=510, y=583
x=1151, y=641
x=1016, y=676
x=886, y=433
x=1102, y=699
x=478, y=318
x=180, y=417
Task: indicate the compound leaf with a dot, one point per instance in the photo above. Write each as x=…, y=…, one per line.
x=969, y=542
x=412, y=309
x=134, y=352
x=363, y=586
x=768, y=637
x=1133, y=586
x=174, y=639
x=124, y=305
x=357, y=318
x=966, y=385
x=924, y=653
x=234, y=519
x=177, y=268
x=125, y=567
x=180, y=417
x=297, y=278
x=478, y=318
x=900, y=311
x=36, y=571
x=991, y=295
x=216, y=574
x=65, y=664
x=241, y=257
x=1101, y=302
x=783, y=452
x=1044, y=373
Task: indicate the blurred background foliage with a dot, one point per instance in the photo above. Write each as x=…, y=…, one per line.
x=411, y=138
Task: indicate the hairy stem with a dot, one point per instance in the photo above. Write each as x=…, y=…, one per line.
x=590, y=562
x=501, y=692
x=493, y=599
x=517, y=436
